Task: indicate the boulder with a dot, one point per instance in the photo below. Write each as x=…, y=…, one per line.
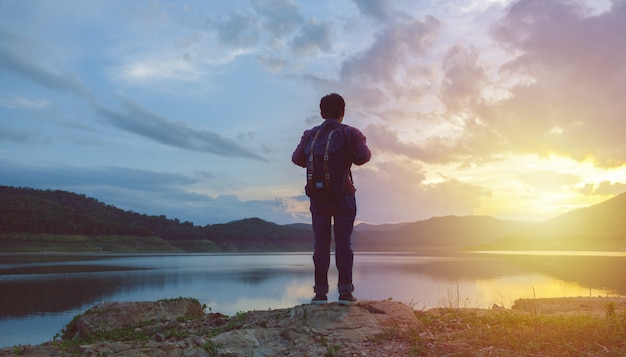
x=180, y=328
x=317, y=330
x=113, y=315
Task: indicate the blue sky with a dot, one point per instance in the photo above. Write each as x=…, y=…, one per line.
x=191, y=109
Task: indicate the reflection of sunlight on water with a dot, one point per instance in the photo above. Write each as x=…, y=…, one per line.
x=569, y=253
x=298, y=291
x=295, y=293
x=382, y=285
x=504, y=291
x=424, y=291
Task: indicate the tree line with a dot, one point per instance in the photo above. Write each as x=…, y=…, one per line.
x=28, y=210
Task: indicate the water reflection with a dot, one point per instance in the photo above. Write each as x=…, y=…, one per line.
x=40, y=294
x=591, y=271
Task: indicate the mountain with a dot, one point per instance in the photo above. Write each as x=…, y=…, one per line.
x=306, y=226
x=449, y=232
x=37, y=220
x=258, y=235
x=40, y=220
x=378, y=227
x=598, y=227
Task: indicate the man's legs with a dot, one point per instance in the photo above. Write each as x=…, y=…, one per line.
x=321, y=220
x=344, y=256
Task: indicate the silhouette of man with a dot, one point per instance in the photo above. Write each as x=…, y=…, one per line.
x=338, y=209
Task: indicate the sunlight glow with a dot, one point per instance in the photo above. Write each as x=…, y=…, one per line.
x=537, y=187
x=506, y=290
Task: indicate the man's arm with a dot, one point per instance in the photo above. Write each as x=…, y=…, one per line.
x=299, y=157
x=362, y=153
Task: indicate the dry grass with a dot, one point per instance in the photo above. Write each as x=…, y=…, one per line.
x=600, y=331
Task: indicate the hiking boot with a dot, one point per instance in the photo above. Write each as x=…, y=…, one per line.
x=319, y=300
x=348, y=299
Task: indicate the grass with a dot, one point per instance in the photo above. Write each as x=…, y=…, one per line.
x=45, y=242
x=444, y=331
x=469, y=332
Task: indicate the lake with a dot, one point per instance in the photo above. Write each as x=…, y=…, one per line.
x=40, y=294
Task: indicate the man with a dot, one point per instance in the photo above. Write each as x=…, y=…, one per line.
x=339, y=206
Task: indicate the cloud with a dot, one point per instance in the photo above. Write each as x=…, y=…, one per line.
x=386, y=141
x=573, y=61
x=18, y=102
x=441, y=104
x=555, y=89
x=377, y=9
x=239, y=30
x=549, y=181
x=152, y=67
x=272, y=64
x=224, y=207
x=389, y=72
x=14, y=59
x=463, y=78
x=142, y=191
x=278, y=23
x=140, y=121
x=81, y=179
x=604, y=188
x=16, y=135
x=559, y=91
x=314, y=37
x=401, y=184
x=281, y=17
x=395, y=48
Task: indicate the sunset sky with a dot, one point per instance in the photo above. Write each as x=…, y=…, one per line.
x=191, y=109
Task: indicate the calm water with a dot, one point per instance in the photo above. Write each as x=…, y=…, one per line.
x=39, y=294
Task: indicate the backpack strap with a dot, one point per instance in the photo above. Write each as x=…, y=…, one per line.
x=326, y=158
x=312, y=165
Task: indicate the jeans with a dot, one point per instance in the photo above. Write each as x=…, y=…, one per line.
x=343, y=211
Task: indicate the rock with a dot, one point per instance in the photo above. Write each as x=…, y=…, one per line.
x=313, y=330
x=304, y=330
x=113, y=315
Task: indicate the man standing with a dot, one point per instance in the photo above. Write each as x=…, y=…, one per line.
x=332, y=195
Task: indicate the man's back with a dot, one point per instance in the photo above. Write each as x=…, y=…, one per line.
x=338, y=208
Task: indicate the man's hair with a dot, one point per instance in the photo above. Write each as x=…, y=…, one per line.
x=332, y=106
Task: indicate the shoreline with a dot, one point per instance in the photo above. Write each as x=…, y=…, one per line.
x=590, y=307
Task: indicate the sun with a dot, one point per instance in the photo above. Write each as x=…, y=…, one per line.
x=535, y=188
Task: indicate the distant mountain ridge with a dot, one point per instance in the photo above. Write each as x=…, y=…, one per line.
x=449, y=232
x=35, y=220
x=598, y=227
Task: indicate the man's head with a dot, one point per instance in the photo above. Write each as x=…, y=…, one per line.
x=332, y=106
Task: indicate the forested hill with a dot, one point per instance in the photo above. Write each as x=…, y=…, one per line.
x=598, y=227
x=44, y=220
x=30, y=218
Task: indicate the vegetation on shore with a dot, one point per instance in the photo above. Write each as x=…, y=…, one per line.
x=441, y=332
x=46, y=220
x=466, y=332
x=58, y=221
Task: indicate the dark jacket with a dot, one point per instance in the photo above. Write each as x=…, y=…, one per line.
x=354, y=139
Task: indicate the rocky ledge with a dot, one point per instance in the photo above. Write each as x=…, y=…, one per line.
x=180, y=327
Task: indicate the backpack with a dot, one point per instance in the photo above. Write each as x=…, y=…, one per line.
x=328, y=164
